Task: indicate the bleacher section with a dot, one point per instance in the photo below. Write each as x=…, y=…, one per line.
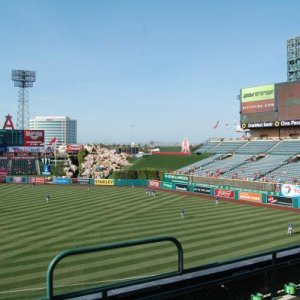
x=205, y=147
x=23, y=167
x=227, y=147
x=265, y=160
x=200, y=164
x=291, y=147
x=289, y=173
x=222, y=165
x=257, y=168
x=257, y=147
x=3, y=163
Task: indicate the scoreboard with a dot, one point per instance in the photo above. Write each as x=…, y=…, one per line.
x=270, y=106
x=11, y=137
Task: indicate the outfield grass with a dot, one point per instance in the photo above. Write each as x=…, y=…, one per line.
x=166, y=162
x=33, y=232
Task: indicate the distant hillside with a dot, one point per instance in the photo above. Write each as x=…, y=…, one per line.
x=165, y=162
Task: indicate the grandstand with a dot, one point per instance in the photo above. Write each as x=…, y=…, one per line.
x=291, y=147
x=227, y=146
x=23, y=166
x=264, y=160
x=257, y=167
x=288, y=173
x=257, y=146
x=3, y=163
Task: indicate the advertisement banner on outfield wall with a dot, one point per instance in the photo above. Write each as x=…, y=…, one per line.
x=224, y=193
x=176, y=178
x=167, y=185
x=104, y=181
x=181, y=187
x=18, y=179
x=83, y=180
x=284, y=201
x=253, y=197
x=38, y=180
x=154, y=184
x=60, y=180
x=202, y=189
x=290, y=190
x=3, y=174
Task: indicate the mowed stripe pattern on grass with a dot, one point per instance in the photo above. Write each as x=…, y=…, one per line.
x=33, y=232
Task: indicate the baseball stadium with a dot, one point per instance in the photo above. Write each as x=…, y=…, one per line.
x=221, y=222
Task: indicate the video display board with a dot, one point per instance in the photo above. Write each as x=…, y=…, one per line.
x=258, y=99
x=20, y=138
x=270, y=106
x=288, y=97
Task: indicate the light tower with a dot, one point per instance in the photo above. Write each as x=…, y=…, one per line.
x=293, y=59
x=23, y=79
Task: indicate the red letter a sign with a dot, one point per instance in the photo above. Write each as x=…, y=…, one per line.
x=8, y=123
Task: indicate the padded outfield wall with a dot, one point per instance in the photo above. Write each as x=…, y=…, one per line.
x=278, y=194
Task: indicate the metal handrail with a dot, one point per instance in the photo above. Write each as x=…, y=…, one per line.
x=99, y=248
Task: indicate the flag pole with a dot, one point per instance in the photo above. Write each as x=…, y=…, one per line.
x=55, y=153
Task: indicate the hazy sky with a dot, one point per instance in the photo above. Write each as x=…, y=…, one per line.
x=156, y=70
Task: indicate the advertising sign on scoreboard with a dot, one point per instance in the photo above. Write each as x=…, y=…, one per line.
x=33, y=137
x=258, y=99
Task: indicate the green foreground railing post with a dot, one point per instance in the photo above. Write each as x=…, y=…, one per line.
x=99, y=248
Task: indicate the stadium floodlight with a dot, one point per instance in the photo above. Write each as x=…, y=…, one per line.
x=23, y=79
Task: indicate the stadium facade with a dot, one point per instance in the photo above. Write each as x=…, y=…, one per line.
x=63, y=128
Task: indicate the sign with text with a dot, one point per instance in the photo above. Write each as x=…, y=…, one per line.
x=202, y=190
x=253, y=197
x=60, y=180
x=290, y=190
x=181, y=187
x=33, y=138
x=275, y=200
x=37, y=180
x=258, y=99
x=176, y=178
x=74, y=147
x=224, y=193
x=154, y=184
x=104, y=181
x=167, y=185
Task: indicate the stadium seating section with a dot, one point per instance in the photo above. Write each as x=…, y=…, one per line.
x=23, y=167
x=3, y=163
x=257, y=160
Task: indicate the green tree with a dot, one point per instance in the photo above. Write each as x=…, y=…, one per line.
x=80, y=157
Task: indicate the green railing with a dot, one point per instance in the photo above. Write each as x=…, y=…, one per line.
x=104, y=290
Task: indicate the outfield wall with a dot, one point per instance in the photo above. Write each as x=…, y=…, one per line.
x=271, y=193
x=281, y=194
